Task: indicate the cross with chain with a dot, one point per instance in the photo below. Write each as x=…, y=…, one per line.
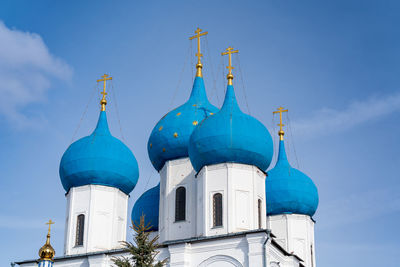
x=229, y=52
x=199, y=33
x=280, y=111
x=103, y=101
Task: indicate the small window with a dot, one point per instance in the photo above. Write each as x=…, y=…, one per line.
x=217, y=210
x=259, y=214
x=180, y=204
x=312, y=256
x=80, y=226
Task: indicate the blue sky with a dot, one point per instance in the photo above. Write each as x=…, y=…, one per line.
x=334, y=64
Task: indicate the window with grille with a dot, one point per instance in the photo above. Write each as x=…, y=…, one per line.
x=217, y=210
x=180, y=204
x=80, y=226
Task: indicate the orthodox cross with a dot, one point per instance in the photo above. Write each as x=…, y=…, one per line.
x=280, y=111
x=199, y=66
x=50, y=222
x=229, y=52
x=103, y=101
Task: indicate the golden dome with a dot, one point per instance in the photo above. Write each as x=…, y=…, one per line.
x=47, y=252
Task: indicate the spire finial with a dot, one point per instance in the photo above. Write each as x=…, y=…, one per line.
x=47, y=252
x=103, y=101
x=199, y=66
x=280, y=110
x=229, y=67
x=50, y=222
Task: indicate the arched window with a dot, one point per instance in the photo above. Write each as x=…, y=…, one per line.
x=180, y=204
x=80, y=226
x=259, y=214
x=217, y=209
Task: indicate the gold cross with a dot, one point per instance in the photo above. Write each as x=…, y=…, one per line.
x=103, y=101
x=229, y=67
x=280, y=111
x=199, y=66
x=50, y=222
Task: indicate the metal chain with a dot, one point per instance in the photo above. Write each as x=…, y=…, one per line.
x=223, y=74
x=291, y=137
x=84, y=113
x=116, y=108
x=275, y=156
x=242, y=80
x=212, y=70
x=148, y=180
x=191, y=60
x=180, y=78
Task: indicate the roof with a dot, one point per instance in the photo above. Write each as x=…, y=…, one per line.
x=179, y=241
x=83, y=255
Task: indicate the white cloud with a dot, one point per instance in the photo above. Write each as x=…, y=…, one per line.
x=26, y=72
x=330, y=120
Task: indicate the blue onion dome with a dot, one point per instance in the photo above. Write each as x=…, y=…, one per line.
x=288, y=190
x=230, y=136
x=147, y=205
x=99, y=159
x=170, y=137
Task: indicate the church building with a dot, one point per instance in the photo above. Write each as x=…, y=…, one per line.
x=218, y=203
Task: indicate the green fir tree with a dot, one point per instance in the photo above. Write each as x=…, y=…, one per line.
x=143, y=251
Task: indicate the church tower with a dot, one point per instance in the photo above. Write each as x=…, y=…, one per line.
x=168, y=152
x=230, y=152
x=97, y=172
x=46, y=253
x=292, y=199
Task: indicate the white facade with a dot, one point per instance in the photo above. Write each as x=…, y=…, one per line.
x=241, y=240
x=241, y=249
x=295, y=233
x=105, y=218
x=242, y=188
x=174, y=174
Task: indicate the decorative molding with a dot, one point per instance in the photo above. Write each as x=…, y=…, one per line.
x=221, y=258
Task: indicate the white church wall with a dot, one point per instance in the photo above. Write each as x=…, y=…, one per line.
x=241, y=187
x=177, y=173
x=275, y=258
x=295, y=233
x=219, y=252
x=105, y=211
x=243, y=250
